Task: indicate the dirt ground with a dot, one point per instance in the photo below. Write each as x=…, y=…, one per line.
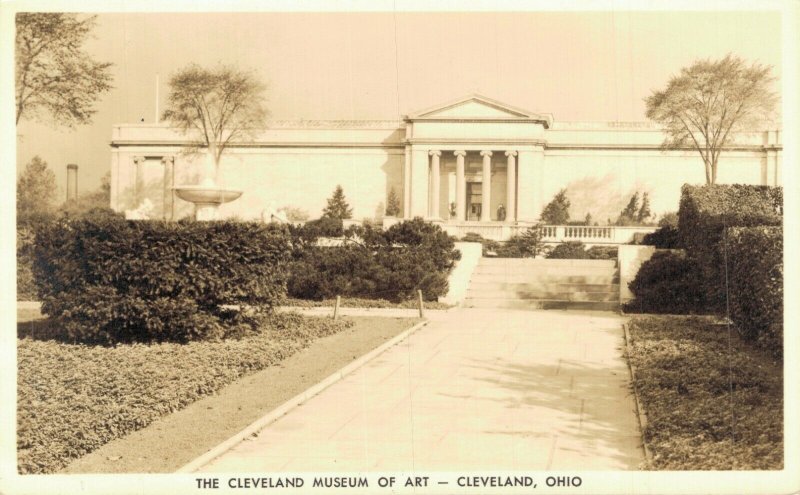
x=174, y=440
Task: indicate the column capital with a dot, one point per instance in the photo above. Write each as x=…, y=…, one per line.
x=460, y=153
x=168, y=159
x=435, y=153
x=486, y=153
x=511, y=153
x=138, y=158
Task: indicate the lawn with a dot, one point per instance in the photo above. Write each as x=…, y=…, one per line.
x=713, y=402
x=73, y=399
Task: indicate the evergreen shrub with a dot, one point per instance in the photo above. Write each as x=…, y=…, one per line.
x=104, y=279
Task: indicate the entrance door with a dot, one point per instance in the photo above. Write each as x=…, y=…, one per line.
x=474, y=201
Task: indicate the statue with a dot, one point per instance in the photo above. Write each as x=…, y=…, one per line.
x=501, y=212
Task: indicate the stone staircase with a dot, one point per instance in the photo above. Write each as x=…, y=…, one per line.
x=544, y=284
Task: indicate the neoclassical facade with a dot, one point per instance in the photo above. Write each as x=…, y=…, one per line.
x=468, y=162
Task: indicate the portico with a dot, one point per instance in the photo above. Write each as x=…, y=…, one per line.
x=470, y=161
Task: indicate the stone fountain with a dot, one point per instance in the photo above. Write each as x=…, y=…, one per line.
x=207, y=196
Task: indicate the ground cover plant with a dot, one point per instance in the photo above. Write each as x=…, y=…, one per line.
x=712, y=401
x=73, y=398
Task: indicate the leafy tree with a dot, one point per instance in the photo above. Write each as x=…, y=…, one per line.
x=54, y=76
x=392, y=204
x=628, y=214
x=588, y=219
x=644, y=213
x=337, y=206
x=709, y=101
x=216, y=107
x=557, y=211
x=36, y=190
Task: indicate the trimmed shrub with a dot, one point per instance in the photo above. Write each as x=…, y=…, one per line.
x=666, y=283
x=573, y=250
x=602, y=253
x=375, y=264
x=666, y=237
x=755, y=274
x=323, y=227
x=26, y=287
x=108, y=280
x=706, y=211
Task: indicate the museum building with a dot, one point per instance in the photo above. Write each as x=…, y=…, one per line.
x=474, y=164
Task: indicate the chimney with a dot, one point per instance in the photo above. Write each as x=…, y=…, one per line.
x=72, y=182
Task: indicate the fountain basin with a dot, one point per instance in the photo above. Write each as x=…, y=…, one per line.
x=206, y=199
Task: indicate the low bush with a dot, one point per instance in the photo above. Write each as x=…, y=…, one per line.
x=375, y=264
x=74, y=398
x=755, y=272
x=488, y=246
x=602, y=253
x=574, y=250
x=108, y=280
x=712, y=401
x=666, y=237
x=357, y=302
x=528, y=244
x=704, y=214
x=666, y=283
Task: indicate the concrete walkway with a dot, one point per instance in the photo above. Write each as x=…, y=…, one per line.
x=478, y=389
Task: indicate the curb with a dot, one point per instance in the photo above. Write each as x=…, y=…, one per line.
x=294, y=402
x=641, y=415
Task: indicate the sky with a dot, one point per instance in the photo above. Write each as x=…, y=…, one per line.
x=578, y=66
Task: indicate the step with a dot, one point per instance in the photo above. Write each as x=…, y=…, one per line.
x=555, y=286
x=545, y=270
x=541, y=304
x=543, y=295
x=544, y=262
x=523, y=278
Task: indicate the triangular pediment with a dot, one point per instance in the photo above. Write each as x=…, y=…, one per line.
x=476, y=107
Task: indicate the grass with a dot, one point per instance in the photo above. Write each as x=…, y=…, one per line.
x=357, y=302
x=72, y=399
x=713, y=402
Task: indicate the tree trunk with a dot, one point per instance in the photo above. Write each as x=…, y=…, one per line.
x=709, y=178
x=714, y=171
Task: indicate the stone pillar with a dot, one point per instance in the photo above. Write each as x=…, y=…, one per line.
x=72, y=182
x=407, y=184
x=511, y=186
x=461, y=186
x=138, y=188
x=435, y=184
x=169, y=183
x=486, y=187
x=419, y=182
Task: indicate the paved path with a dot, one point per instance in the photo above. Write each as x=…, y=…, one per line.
x=475, y=389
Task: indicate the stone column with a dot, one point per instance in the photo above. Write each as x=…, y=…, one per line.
x=435, y=184
x=511, y=186
x=486, y=186
x=72, y=182
x=169, y=183
x=420, y=187
x=461, y=185
x=138, y=162
x=407, y=184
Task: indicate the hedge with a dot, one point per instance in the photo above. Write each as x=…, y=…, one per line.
x=374, y=264
x=26, y=288
x=666, y=283
x=573, y=250
x=108, y=280
x=704, y=214
x=755, y=274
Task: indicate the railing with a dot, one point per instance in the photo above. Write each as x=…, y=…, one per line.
x=498, y=231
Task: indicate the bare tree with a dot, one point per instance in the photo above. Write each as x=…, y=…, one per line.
x=53, y=74
x=709, y=101
x=216, y=107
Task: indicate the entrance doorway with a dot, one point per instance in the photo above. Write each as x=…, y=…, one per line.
x=474, y=201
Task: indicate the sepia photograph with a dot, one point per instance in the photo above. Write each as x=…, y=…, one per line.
x=399, y=248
